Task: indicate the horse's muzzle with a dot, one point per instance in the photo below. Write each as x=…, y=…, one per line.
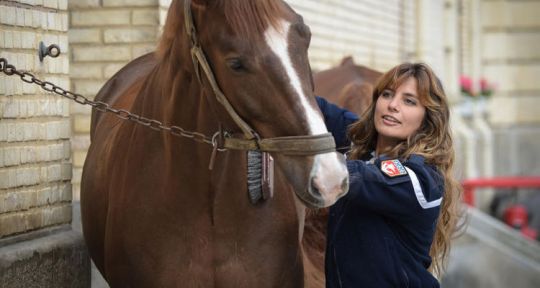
x=329, y=180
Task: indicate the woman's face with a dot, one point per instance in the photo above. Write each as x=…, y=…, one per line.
x=398, y=114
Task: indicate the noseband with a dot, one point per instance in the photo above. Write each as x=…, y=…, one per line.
x=289, y=145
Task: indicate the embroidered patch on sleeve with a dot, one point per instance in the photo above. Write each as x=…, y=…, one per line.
x=393, y=168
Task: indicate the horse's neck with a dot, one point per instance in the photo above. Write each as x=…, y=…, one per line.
x=174, y=96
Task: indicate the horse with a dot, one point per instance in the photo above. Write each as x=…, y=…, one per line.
x=170, y=208
x=350, y=86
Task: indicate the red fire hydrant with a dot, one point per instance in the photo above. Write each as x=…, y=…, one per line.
x=516, y=216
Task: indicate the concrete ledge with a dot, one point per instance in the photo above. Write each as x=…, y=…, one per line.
x=56, y=260
x=492, y=255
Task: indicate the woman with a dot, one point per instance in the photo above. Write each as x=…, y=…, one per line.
x=393, y=228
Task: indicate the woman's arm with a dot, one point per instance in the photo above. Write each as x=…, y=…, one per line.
x=337, y=121
x=393, y=188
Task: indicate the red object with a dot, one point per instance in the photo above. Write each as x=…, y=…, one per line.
x=529, y=232
x=470, y=185
x=516, y=216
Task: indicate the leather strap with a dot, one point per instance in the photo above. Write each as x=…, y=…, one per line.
x=290, y=145
x=200, y=61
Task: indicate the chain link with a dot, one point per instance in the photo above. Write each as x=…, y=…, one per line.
x=156, y=125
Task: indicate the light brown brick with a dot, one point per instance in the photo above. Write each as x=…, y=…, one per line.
x=2, y=161
x=12, y=155
x=76, y=179
x=50, y=3
x=141, y=49
x=81, y=124
x=78, y=158
x=111, y=69
x=87, y=87
x=100, y=18
x=56, y=215
x=129, y=35
x=122, y=3
x=66, y=171
x=20, y=16
x=8, y=15
x=26, y=176
x=28, y=18
x=36, y=18
x=63, y=4
x=76, y=192
x=145, y=17
x=104, y=53
x=10, y=224
x=88, y=35
x=83, y=4
x=86, y=71
x=80, y=142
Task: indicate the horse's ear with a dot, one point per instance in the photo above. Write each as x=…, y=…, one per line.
x=202, y=3
x=347, y=61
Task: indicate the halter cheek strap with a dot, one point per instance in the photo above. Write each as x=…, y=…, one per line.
x=290, y=145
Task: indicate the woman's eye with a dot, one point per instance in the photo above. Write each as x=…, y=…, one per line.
x=236, y=64
x=409, y=101
x=386, y=94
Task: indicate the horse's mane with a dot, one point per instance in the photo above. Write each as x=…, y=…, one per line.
x=248, y=18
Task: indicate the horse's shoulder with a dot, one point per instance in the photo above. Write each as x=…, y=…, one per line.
x=115, y=92
x=126, y=76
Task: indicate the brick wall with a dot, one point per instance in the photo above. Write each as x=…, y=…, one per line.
x=35, y=168
x=511, y=59
x=378, y=34
x=104, y=36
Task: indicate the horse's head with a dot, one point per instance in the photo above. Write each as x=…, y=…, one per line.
x=258, y=53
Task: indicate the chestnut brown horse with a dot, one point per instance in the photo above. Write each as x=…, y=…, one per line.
x=153, y=213
x=350, y=86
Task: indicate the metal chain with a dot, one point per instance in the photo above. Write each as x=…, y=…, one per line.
x=27, y=77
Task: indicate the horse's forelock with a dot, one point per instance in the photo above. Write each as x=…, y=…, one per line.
x=248, y=18
x=252, y=17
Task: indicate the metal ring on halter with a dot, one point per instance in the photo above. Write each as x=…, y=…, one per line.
x=215, y=143
x=258, y=139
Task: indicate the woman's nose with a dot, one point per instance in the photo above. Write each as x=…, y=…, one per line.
x=393, y=104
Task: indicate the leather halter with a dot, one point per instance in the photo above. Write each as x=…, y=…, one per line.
x=290, y=145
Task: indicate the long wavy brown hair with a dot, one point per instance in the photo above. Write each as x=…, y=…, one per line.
x=433, y=140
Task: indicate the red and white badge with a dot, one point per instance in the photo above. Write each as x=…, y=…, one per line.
x=393, y=168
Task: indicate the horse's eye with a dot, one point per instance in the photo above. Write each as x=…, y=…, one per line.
x=236, y=64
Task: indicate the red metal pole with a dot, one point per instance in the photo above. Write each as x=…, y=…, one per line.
x=468, y=194
x=470, y=185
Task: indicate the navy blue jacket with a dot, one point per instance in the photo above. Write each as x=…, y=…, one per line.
x=380, y=233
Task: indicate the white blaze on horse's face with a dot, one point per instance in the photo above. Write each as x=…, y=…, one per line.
x=329, y=176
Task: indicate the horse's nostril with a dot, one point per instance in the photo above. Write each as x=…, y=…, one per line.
x=314, y=187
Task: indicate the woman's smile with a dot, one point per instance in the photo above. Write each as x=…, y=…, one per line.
x=390, y=120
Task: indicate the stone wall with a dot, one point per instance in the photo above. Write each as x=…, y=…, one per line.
x=35, y=168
